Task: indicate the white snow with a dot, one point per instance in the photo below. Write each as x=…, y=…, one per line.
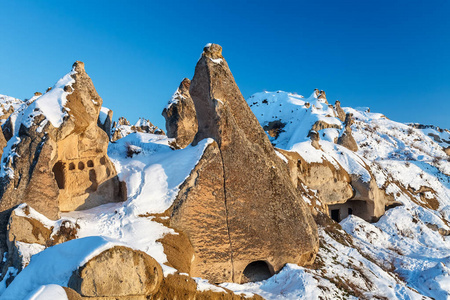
x=51, y=104
x=153, y=178
x=47, y=292
x=103, y=114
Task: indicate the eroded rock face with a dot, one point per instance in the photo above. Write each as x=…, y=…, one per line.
x=339, y=111
x=240, y=187
x=56, y=164
x=118, y=272
x=346, y=139
x=333, y=184
x=180, y=115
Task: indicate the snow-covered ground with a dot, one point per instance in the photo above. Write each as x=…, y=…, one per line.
x=153, y=177
x=402, y=256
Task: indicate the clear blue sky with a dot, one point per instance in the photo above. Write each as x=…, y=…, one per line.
x=392, y=56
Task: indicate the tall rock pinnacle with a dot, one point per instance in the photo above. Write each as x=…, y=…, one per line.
x=240, y=187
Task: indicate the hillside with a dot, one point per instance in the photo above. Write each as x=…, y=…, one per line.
x=278, y=196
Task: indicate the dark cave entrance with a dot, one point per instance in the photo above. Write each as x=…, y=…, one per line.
x=257, y=271
x=58, y=170
x=335, y=215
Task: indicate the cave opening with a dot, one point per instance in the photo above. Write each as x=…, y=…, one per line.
x=257, y=271
x=58, y=171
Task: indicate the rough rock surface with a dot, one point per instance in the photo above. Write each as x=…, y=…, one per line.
x=180, y=115
x=333, y=184
x=116, y=272
x=346, y=139
x=61, y=168
x=240, y=187
x=339, y=111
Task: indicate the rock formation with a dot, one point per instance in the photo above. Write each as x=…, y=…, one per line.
x=341, y=192
x=339, y=111
x=239, y=187
x=105, y=120
x=346, y=139
x=106, y=275
x=122, y=128
x=56, y=159
x=180, y=115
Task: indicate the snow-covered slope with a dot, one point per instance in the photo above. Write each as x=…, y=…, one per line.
x=409, y=245
x=153, y=176
x=404, y=255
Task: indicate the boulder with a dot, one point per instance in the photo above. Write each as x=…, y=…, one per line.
x=240, y=187
x=117, y=272
x=180, y=115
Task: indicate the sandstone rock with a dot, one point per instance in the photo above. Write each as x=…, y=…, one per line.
x=315, y=138
x=118, y=272
x=180, y=115
x=346, y=139
x=274, y=128
x=332, y=183
x=447, y=150
x=239, y=187
x=71, y=294
x=60, y=168
x=178, y=286
x=339, y=111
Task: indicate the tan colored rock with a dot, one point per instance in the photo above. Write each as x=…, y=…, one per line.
x=315, y=138
x=63, y=168
x=239, y=187
x=319, y=125
x=447, y=151
x=71, y=294
x=178, y=286
x=339, y=111
x=274, y=128
x=180, y=115
x=118, y=272
x=346, y=139
x=333, y=184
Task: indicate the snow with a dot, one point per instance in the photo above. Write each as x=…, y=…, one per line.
x=103, y=114
x=46, y=292
x=55, y=265
x=402, y=256
x=204, y=285
x=51, y=104
x=153, y=178
x=216, y=60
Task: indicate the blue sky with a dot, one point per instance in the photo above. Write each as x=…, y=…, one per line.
x=392, y=56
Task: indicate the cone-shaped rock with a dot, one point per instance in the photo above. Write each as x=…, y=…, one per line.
x=181, y=119
x=56, y=158
x=346, y=139
x=241, y=212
